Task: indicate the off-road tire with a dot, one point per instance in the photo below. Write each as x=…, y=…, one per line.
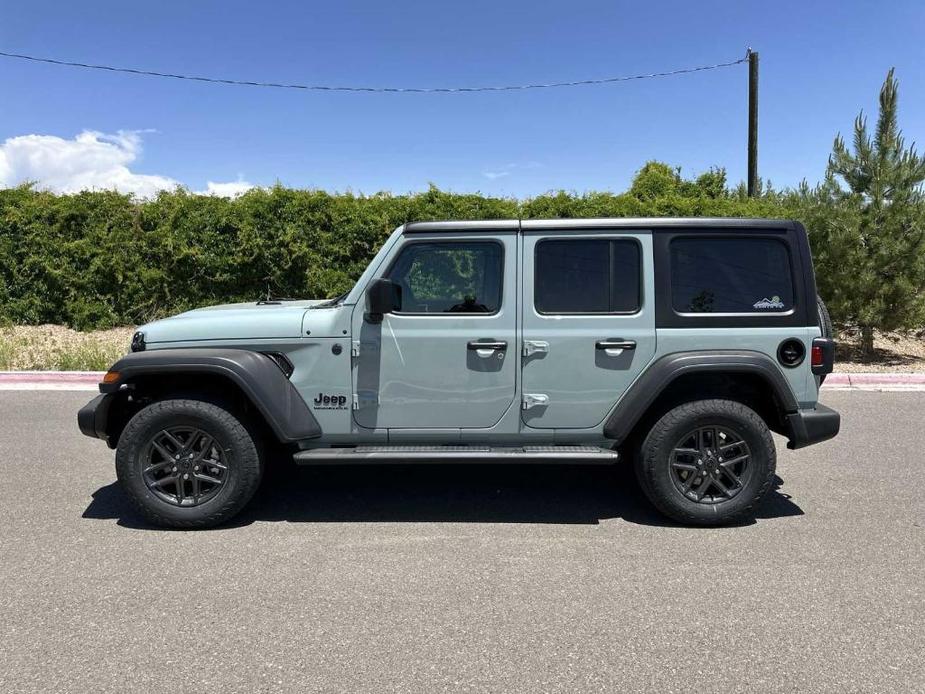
x=653, y=462
x=240, y=447
x=825, y=320
x=825, y=324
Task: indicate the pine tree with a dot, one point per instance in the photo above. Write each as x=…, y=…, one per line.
x=874, y=226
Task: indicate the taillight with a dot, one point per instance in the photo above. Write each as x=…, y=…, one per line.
x=817, y=358
x=822, y=356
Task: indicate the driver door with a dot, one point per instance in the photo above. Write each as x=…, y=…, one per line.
x=423, y=367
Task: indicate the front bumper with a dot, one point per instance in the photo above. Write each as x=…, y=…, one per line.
x=807, y=427
x=92, y=418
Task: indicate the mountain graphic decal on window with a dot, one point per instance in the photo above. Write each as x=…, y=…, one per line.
x=773, y=302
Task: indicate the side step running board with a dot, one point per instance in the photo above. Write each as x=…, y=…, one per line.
x=461, y=454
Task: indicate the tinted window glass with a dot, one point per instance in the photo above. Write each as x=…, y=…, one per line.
x=449, y=277
x=732, y=275
x=587, y=276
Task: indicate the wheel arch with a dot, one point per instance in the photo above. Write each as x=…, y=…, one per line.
x=745, y=376
x=239, y=378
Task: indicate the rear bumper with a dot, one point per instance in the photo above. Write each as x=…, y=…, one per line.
x=93, y=417
x=807, y=427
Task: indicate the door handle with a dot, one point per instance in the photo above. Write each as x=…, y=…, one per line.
x=494, y=346
x=615, y=343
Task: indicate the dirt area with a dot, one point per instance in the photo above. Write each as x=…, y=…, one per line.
x=894, y=352
x=54, y=347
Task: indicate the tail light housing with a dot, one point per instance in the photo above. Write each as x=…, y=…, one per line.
x=822, y=356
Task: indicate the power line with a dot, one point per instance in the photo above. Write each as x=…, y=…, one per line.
x=402, y=90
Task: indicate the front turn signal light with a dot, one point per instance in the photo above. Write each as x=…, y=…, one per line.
x=111, y=377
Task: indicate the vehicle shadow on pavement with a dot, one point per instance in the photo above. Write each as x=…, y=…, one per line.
x=565, y=494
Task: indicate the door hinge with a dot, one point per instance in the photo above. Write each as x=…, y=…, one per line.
x=534, y=347
x=531, y=400
x=356, y=401
x=355, y=348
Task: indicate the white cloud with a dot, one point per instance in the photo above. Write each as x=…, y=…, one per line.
x=91, y=161
x=508, y=169
x=231, y=189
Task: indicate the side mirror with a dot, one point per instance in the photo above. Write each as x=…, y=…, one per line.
x=383, y=296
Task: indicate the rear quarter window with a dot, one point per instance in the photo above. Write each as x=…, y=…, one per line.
x=730, y=275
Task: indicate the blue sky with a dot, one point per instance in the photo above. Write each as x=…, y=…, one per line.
x=820, y=64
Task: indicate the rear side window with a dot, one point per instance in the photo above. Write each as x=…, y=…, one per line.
x=587, y=276
x=730, y=275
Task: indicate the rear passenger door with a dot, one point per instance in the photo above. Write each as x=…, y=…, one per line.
x=588, y=323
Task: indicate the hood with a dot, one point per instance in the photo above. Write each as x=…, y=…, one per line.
x=282, y=319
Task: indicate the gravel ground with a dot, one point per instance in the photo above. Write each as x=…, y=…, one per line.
x=481, y=578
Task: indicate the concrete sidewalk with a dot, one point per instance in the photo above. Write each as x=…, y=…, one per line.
x=875, y=381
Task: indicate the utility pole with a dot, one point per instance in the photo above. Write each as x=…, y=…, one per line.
x=752, y=123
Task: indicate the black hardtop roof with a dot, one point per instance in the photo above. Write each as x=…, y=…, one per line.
x=642, y=223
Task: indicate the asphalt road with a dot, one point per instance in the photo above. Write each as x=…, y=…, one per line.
x=466, y=578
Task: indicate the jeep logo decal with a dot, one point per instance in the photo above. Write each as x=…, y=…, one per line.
x=330, y=402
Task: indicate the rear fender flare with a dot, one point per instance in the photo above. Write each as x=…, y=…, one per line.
x=665, y=370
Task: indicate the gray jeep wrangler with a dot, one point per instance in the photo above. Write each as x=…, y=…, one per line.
x=678, y=343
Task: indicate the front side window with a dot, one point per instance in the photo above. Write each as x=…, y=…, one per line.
x=587, y=276
x=451, y=277
x=730, y=275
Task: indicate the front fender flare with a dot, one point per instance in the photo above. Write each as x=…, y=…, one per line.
x=661, y=373
x=257, y=376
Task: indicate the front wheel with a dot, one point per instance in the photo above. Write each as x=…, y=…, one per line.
x=187, y=463
x=707, y=462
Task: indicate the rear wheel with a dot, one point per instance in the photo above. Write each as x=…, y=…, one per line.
x=707, y=462
x=188, y=464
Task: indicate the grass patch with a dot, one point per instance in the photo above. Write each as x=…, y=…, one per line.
x=56, y=348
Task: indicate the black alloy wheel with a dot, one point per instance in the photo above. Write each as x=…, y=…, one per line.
x=184, y=466
x=710, y=464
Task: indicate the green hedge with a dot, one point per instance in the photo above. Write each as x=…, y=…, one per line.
x=100, y=259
